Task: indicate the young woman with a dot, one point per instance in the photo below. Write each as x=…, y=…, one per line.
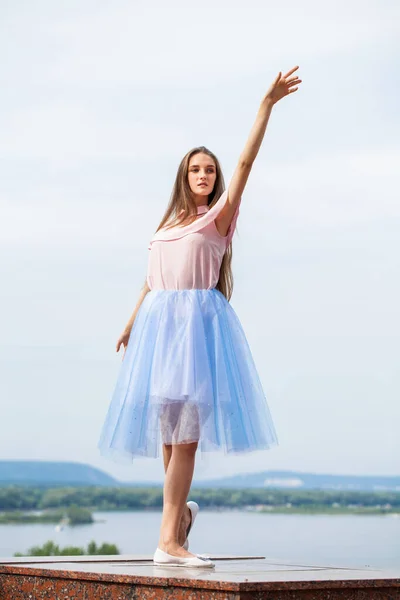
x=188, y=381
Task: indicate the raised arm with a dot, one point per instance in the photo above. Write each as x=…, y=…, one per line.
x=281, y=87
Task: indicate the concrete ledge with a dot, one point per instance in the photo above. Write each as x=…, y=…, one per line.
x=234, y=578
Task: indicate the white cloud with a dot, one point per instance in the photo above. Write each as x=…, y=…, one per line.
x=149, y=43
x=331, y=190
x=66, y=134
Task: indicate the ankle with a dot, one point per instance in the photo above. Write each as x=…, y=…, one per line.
x=170, y=548
x=167, y=542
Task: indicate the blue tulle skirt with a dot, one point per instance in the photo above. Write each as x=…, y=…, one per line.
x=188, y=375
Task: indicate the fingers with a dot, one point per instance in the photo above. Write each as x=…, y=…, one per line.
x=290, y=72
x=286, y=80
x=294, y=78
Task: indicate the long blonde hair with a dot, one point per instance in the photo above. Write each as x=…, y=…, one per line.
x=182, y=208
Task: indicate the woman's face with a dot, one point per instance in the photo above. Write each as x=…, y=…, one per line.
x=202, y=174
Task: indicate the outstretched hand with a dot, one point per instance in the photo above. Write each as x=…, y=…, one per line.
x=283, y=86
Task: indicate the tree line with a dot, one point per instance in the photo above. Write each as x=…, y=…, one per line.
x=50, y=548
x=138, y=498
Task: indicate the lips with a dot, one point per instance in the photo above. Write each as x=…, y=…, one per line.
x=202, y=185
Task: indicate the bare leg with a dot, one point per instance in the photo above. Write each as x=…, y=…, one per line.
x=178, y=478
x=186, y=515
x=167, y=453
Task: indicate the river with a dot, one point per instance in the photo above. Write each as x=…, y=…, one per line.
x=338, y=540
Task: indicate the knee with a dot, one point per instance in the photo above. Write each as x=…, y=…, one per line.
x=187, y=450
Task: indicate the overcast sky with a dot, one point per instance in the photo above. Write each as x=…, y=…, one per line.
x=99, y=102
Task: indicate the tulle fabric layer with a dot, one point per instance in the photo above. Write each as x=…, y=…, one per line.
x=188, y=375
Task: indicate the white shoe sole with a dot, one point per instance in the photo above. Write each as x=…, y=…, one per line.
x=163, y=559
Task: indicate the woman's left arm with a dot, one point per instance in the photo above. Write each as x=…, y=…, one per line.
x=281, y=87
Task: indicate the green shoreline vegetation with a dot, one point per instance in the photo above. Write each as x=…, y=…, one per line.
x=70, y=515
x=52, y=549
x=74, y=505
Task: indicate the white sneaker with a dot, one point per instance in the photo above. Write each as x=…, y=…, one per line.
x=194, y=509
x=163, y=559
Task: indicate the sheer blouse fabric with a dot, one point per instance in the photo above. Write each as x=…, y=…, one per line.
x=189, y=256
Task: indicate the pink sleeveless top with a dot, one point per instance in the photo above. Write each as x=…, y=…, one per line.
x=189, y=256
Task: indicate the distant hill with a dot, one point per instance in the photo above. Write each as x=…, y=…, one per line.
x=304, y=481
x=46, y=473
x=37, y=472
